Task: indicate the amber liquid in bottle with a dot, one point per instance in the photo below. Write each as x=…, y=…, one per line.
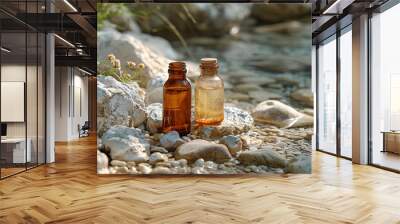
x=177, y=100
x=209, y=96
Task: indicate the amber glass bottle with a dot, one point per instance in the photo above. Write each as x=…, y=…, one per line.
x=209, y=99
x=177, y=100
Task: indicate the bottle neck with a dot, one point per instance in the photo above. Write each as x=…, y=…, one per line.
x=177, y=70
x=177, y=74
x=208, y=72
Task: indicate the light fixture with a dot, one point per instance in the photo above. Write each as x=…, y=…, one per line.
x=70, y=5
x=84, y=71
x=5, y=50
x=65, y=41
x=337, y=7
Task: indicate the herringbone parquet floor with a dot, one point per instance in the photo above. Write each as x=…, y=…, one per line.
x=69, y=191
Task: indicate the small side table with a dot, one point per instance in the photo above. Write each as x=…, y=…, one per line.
x=14, y=150
x=391, y=141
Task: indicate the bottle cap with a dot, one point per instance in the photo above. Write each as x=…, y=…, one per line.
x=208, y=63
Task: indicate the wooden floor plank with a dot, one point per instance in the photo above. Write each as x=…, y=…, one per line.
x=69, y=191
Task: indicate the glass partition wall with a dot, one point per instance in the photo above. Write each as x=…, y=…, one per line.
x=385, y=89
x=22, y=77
x=334, y=93
x=346, y=95
x=327, y=95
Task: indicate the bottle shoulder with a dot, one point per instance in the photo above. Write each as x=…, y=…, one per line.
x=177, y=83
x=214, y=81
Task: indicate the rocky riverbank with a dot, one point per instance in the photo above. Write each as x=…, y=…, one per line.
x=268, y=106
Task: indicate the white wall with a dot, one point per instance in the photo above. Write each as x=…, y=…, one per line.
x=33, y=126
x=14, y=73
x=62, y=81
x=70, y=83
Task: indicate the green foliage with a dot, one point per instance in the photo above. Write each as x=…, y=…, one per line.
x=160, y=14
x=111, y=12
x=116, y=13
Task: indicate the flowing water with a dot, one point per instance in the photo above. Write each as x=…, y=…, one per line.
x=258, y=66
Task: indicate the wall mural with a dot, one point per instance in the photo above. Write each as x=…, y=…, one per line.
x=204, y=88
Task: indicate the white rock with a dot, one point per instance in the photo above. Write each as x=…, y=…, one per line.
x=161, y=170
x=154, y=90
x=157, y=44
x=171, y=140
x=265, y=156
x=158, y=149
x=157, y=157
x=183, y=162
x=281, y=115
x=236, y=121
x=102, y=163
x=144, y=168
x=132, y=170
x=120, y=170
x=183, y=170
x=154, y=117
x=233, y=143
x=199, y=163
x=127, y=47
x=175, y=164
x=118, y=104
x=134, y=47
x=198, y=170
x=164, y=164
x=127, y=144
x=196, y=149
x=118, y=163
x=210, y=165
x=130, y=164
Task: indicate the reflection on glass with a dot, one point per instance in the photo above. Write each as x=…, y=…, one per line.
x=22, y=90
x=385, y=92
x=327, y=96
x=346, y=94
x=31, y=97
x=41, y=99
x=14, y=153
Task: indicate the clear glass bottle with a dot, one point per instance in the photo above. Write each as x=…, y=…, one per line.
x=177, y=103
x=209, y=97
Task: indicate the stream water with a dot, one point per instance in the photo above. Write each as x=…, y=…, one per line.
x=257, y=66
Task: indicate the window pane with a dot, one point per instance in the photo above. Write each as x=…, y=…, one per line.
x=346, y=94
x=327, y=96
x=14, y=153
x=385, y=89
